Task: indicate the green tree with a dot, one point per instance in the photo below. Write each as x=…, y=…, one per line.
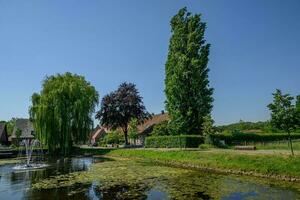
x=208, y=125
x=298, y=104
x=62, y=111
x=189, y=96
x=284, y=114
x=133, y=130
x=120, y=106
x=18, y=136
x=161, y=129
x=298, y=110
x=10, y=126
x=114, y=137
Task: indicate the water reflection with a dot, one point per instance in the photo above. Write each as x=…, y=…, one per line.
x=16, y=184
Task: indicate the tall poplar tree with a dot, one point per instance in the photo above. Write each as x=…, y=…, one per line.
x=189, y=96
x=298, y=103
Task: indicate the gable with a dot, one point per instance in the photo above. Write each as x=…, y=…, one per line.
x=26, y=128
x=3, y=133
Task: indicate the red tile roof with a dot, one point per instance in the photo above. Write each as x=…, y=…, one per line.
x=156, y=119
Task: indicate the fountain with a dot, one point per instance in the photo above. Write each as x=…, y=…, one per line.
x=31, y=147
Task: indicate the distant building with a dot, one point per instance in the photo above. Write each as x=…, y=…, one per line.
x=97, y=134
x=26, y=128
x=3, y=133
x=144, y=129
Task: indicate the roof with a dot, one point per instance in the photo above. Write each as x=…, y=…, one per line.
x=147, y=126
x=25, y=126
x=98, y=132
x=3, y=133
x=2, y=127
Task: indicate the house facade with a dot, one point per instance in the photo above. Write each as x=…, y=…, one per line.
x=144, y=130
x=97, y=134
x=23, y=130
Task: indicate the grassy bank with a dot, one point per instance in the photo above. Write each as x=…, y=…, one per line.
x=8, y=161
x=275, y=166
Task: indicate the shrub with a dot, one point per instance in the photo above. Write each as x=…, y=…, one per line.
x=133, y=131
x=205, y=146
x=161, y=129
x=114, y=137
x=239, y=137
x=214, y=141
x=178, y=141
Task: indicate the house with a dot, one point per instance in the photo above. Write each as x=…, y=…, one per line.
x=146, y=128
x=3, y=133
x=25, y=127
x=97, y=134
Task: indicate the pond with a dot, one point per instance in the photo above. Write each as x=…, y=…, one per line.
x=103, y=178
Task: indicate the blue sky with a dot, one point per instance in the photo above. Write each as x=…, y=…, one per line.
x=255, y=49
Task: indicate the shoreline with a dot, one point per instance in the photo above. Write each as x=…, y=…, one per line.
x=214, y=170
x=279, y=167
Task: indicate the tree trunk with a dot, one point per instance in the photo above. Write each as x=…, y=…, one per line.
x=291, y=144
x=125, y=130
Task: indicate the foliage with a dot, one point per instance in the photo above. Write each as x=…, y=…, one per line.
x=113, y=137
x=189, y=96
x=298, y=108
x=133, y=131
x=208, y=125
x=18, y=135
x=120, y=106
x=161, y=129
x=245, y=126
x=205, y=146
x=13, y=146
x=239, y=138
x=10, y=126
x=62, y=111
x=178, y=141
x=284, y=114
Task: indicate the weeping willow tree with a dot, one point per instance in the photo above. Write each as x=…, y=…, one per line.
x=62, y=111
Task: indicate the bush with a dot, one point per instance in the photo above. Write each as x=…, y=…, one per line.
x=214, y=141
x=239, y=137
x=179, y=141
x=161, y=129
x=114, y=137
x=205, y=146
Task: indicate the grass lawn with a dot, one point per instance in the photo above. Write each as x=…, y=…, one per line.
x=254, y=162
x=8, y=161
x=279, y=146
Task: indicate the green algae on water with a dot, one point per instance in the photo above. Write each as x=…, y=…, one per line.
x=135, y=178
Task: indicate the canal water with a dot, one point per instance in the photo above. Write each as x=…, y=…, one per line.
x=99, y=178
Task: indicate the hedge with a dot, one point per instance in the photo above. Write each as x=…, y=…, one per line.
x=178, y=141
x=253, y=137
